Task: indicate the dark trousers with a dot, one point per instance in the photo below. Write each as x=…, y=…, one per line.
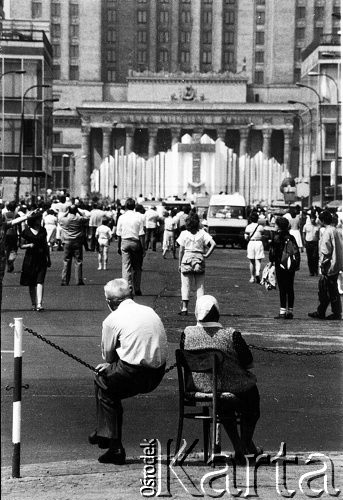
x=328, y=293
x=150, y=235
x=285, y=281
x=312, y=256
x=72, y=248
x=121, y=381
x=91, y=238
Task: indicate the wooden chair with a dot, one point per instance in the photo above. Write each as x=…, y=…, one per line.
x=203, y=361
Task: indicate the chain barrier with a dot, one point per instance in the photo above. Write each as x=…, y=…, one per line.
x=171, y=367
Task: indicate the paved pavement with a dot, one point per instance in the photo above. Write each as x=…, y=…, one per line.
x=300, y=396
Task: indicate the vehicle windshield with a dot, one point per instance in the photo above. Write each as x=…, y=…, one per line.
x=226, y=212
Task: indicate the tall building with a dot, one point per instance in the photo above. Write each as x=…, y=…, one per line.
x=139, y=74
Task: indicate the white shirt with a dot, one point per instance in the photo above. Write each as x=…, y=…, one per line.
x=195, y=242
x=151, y=217
x=169, y=224
x=104, y=235
x=130, y=225
x=136, y=333
x=254, y=231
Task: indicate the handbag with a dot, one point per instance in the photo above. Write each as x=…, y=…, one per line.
x=268, y=277
x=254, y=231
x=193, y=263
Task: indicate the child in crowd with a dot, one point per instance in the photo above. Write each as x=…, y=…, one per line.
x=103, y=236
x=169, y=234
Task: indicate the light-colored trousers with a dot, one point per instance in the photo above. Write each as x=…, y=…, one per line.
x=186, y=283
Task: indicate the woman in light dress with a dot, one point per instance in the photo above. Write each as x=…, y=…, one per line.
x=294, y=226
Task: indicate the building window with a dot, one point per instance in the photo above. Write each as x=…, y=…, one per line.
x=260, y=2
x=336, y=9
x=141, y=16
x=36, y=9
x=297, y=75
x=330, y=139
x=259, y=77
x=111, y=56
x=230, y=2
x=185, y=16
x=208, y=2
x=56, y=72
x=164, y=17
x=185, y=56
x=111, y=36
x=56, y=50
x=186, y=1
x=111, y=75
x=301, y=12
x=207, y=57
x=142, y=1
x=297, y=53
x=74, y=30
x=229, y=17
x=111, y=16
x=207, y=17
x=259, y=37
x=56, y=31
x=319, y=13
x=142, y=56
x=142, y=36
x=55, y=9
x=164, y=1
x=56, y=137
x=185, y=36
x=207, y=37
x=228, y=57
x=163, y=36
x=74, y=51
x=300, y=33
x=229, y=37
x=260, y=18
x=73, y=72
x=259, y=56
x=74, y=10
x=163, y=56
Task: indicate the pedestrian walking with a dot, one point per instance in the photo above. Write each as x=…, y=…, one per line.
x=134, y=348
x=234, y=375
x=294, y=219
x=284, y=254
x=11, y=236
x=169, y=234
x=95, y=220
x=151, y=221
x=103, y=236
x=331, y=264
x=255, y=252
x=36, y=260
x=311, y=240
x=196, y=245
x=50, y=224
x=72, y=223
x=131, y=245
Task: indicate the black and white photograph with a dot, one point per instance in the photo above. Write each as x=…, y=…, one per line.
x=171, y=249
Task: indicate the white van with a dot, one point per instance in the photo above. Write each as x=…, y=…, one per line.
x=227, y=219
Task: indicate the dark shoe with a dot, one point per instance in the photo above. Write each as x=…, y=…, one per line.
x=64, y=283
x=138, y=293
x=39, y=308
x=10, y=267
x=280, y=316
x=183, y=313
x=289, y=316
x=315, y=315
x=257, y=279
x=81, y=283
x=102, y=442
x=33, y=308
x=113, y=457
x=334, y=317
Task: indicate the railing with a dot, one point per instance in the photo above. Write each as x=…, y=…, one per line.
x=324, y=39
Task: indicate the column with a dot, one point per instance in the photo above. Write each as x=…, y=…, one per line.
x=72, y=174
x=221, y=132
x=152, y=37
x=129, y=140
x=217, y=34
x=244, y=134
x=175, y=133
x=174, y=36
x=152, y=141
x=106, y=142
x=266, y=134
x=85, y=163
x=195, y=36
x=287, y=147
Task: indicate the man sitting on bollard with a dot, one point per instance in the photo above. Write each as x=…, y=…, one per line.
x=134, y=347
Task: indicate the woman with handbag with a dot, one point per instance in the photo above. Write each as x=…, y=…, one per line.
x=36, y=260
x=255, y=252
x=196, y=245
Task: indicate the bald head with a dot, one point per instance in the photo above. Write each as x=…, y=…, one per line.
x=117, y=290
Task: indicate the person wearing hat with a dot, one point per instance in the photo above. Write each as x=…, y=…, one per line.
x=134, y=348
x=235, y=375
x=284, y=277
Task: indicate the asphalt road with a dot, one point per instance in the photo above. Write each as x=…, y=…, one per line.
x=301, y=396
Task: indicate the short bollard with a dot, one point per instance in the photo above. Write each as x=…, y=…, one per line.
x=16, y=424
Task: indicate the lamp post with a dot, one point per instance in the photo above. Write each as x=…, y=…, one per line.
x=21, y=137
x=34, y=156
x=13, y=71
x=301, y=85
x=311, y=144
x=314, y=73
x=302, y=139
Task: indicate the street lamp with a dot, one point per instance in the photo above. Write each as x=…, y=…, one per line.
x=301, y=85
x=302, y=138
x=21, y=136
x=13, y=71
x=311, y=144
x=34, y=144
x=314, y=73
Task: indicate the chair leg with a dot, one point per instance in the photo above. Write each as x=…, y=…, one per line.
x=206, y=432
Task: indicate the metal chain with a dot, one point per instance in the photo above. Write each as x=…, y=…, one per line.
x=295, y=353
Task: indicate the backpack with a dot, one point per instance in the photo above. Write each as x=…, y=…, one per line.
x=290, y=258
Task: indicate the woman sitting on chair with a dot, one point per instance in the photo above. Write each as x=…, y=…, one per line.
x=234, y=375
